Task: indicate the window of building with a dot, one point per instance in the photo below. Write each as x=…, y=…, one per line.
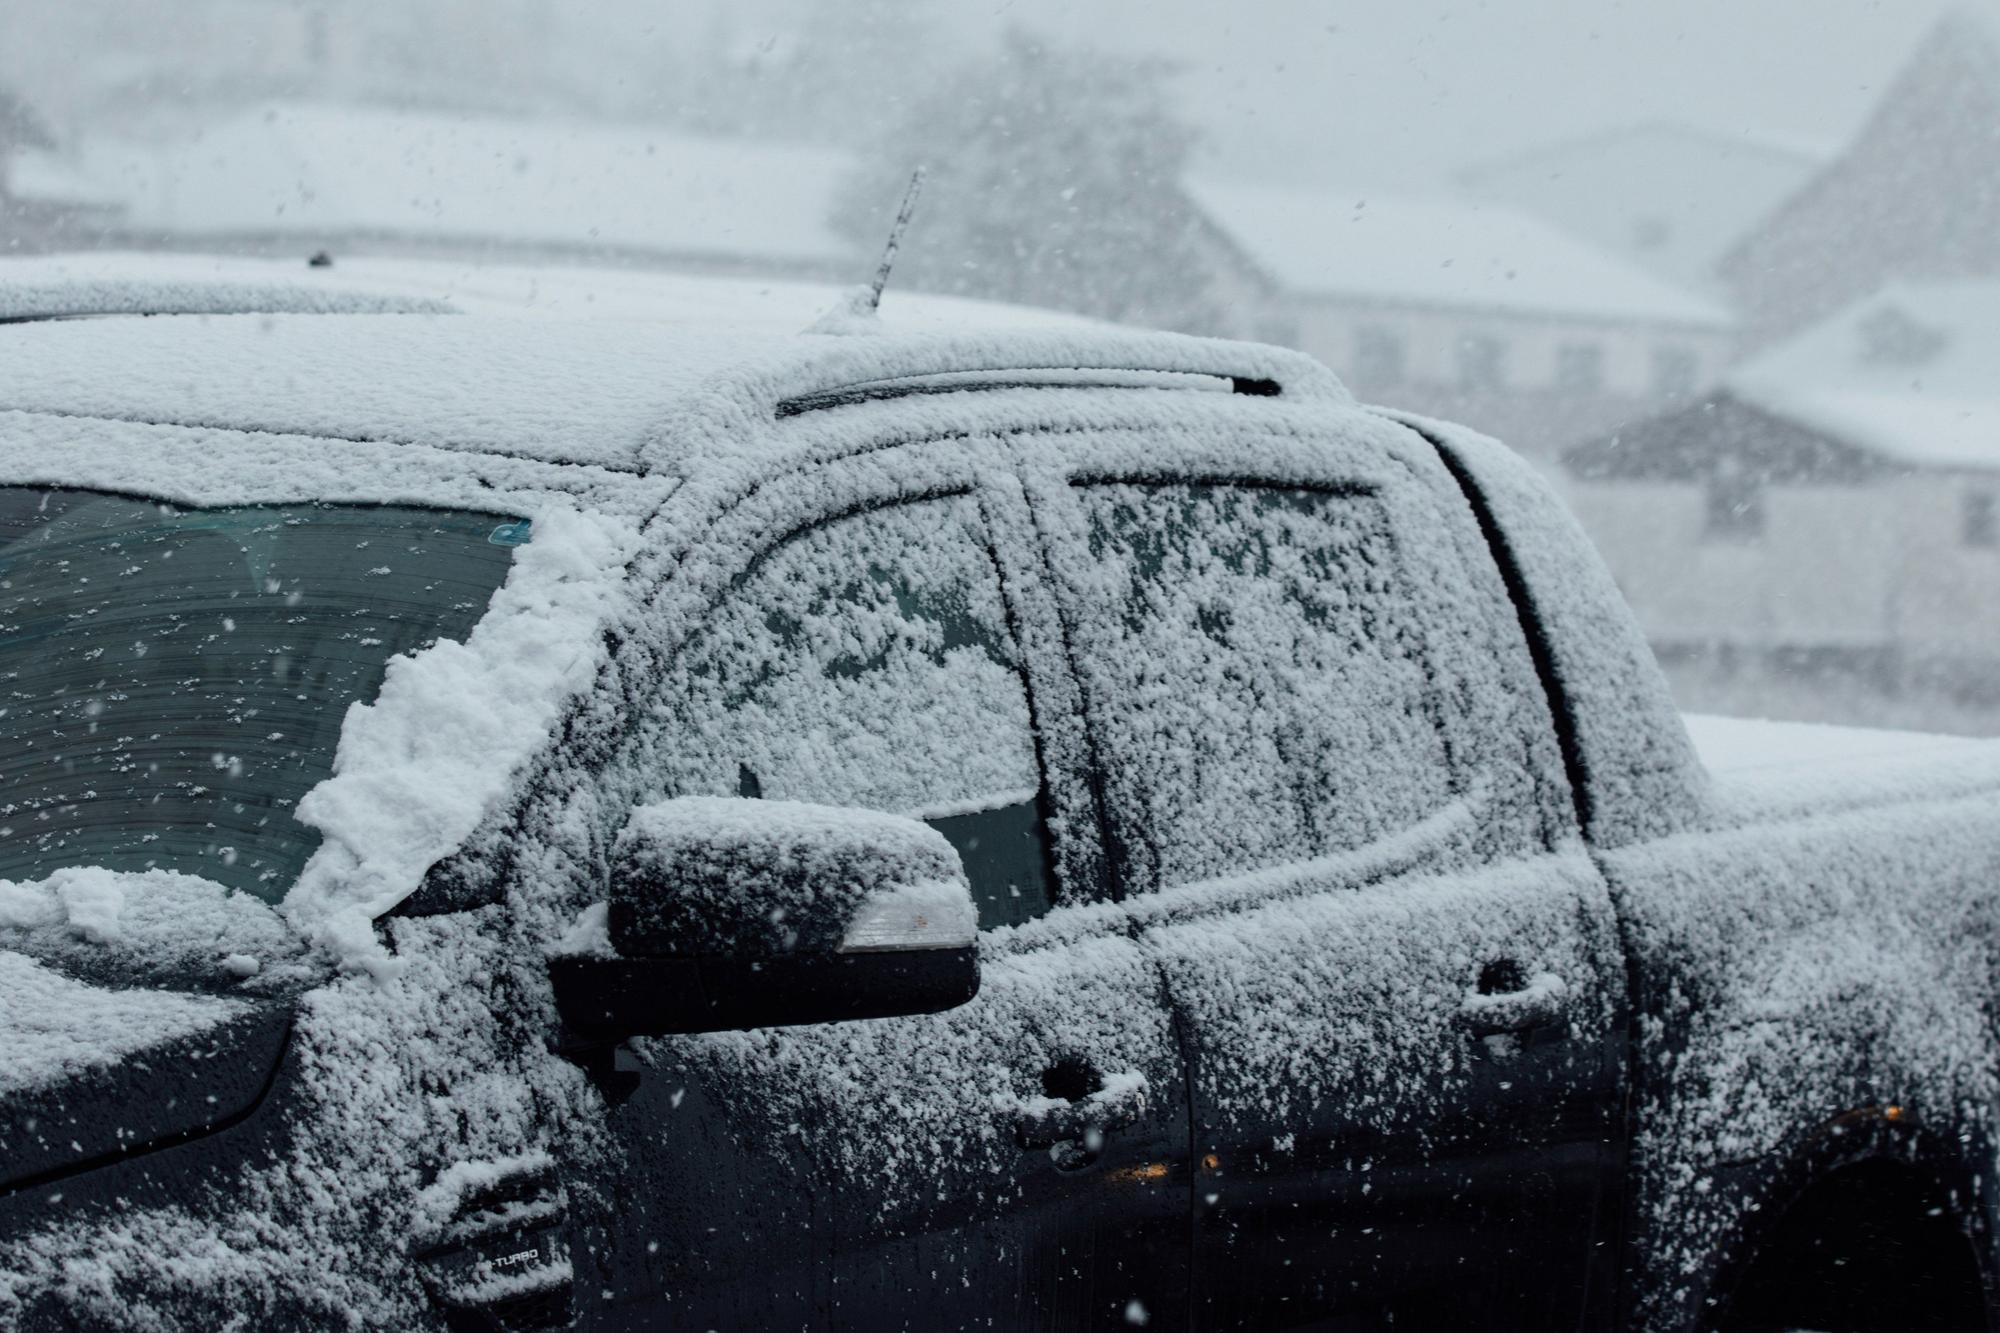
x=1890, y=337
x=1481, y=362
x=1982, y=519
x=1378, y=355
x=1580, y=368
x=1674, y=371
x=1735, y=509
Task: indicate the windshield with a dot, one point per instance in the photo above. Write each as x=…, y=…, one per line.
x=173, y=680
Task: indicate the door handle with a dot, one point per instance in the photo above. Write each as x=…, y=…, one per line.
x=1508, y=1002
x=1117, y=1101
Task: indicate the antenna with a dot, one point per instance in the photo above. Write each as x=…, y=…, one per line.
x=896, y=236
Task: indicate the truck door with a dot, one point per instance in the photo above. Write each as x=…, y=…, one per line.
x=1019, y=1162
x=1342, y=826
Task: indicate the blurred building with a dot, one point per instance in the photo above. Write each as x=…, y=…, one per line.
x=1916, y=194
x=1468, y=310
x=288, y=178
x=1672, y=198
x=1832, y=510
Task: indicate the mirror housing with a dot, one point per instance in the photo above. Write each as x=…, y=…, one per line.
x=728, y=913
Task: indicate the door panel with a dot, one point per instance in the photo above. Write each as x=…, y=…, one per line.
x=1018, y=1162
x=1377, y=1140
x=1345, y=835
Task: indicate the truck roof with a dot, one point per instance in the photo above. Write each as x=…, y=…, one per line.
x=627, y=396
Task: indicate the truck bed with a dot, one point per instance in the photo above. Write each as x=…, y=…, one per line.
x=1767, y=770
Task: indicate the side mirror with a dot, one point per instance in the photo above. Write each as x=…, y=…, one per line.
x=732, y=913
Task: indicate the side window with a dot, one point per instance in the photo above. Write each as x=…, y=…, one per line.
x=868, y=662
x=1260, y=691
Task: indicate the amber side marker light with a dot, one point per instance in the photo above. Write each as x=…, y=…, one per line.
x=1143, y=1171
x=1892, y=1113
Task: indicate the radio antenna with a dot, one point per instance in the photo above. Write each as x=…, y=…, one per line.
x=896, y=236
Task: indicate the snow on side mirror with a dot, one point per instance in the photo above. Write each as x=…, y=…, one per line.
x=729, y=913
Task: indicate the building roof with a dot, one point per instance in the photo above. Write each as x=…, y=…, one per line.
x=1670, y=197
x=1446, y=253
x=317, y=170
x=1910, y=197
x=1911, y=374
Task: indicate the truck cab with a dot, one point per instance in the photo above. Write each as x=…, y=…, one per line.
x=1054, y=829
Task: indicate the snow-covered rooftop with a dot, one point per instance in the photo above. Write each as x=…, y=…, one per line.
x=1669, y=196
x=1447, y=253
x=312, y=169
x=107, y=282
x=1912, y=373
x=622, y=393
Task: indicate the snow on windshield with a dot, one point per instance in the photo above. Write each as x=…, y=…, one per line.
x=173, y=680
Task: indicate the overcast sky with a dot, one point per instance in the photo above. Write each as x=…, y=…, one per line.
x=1403, y=90
x=1359, y=92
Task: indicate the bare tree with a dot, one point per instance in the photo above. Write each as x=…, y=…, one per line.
x=1055, y=180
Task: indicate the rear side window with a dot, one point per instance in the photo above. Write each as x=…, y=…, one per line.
x=869, y=662
x=1260, y=693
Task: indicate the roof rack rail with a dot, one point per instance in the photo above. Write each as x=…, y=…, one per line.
x=38, y=301
x=1025, y=377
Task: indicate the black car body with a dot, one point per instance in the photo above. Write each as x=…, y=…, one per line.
x=1361, y=943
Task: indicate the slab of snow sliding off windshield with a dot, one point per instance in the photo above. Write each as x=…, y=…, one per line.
x=173, y=680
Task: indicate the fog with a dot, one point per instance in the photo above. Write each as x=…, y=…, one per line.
x=1722, y=271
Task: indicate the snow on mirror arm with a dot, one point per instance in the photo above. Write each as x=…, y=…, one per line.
x=174, y=679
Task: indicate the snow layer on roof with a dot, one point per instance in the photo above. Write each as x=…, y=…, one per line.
x=57, y=178
x=55, y=286
x=1671, y=197
x=748, y=304
x=564, y=391
x=1912, y=372
x=308, y=168
x=111, y=281
x=560, y=390
x=1438, y=252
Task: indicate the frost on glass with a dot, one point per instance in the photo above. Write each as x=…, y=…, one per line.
x=1261, y=693
x=868, y=662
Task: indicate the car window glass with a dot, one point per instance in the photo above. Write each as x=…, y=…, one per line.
x=174, y=679
x=868, y=662
x=1259, y=689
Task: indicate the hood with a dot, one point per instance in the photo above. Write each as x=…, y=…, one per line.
x=136, y=1010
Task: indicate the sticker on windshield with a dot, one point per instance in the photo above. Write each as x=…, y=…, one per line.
x=511, y=534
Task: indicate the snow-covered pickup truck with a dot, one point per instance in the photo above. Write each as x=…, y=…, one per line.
x=523, y=823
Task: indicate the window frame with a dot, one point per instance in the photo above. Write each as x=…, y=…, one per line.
x=1735, y=508
x=1580, y=367
x=1481, y=362
x=752, y=525
x=1410, y=482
